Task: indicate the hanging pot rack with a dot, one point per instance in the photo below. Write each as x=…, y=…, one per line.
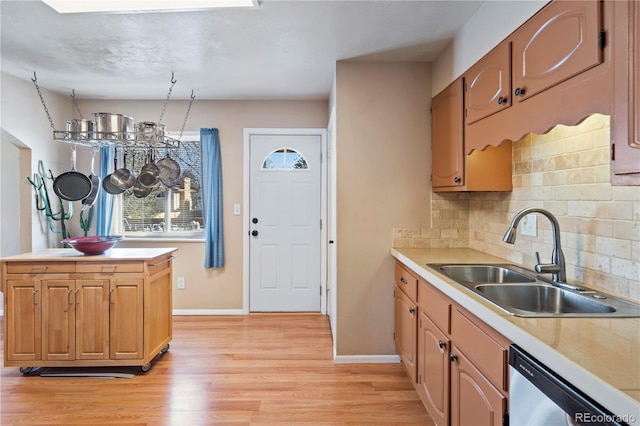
x=128, y=137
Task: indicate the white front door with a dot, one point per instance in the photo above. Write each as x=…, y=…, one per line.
x=285, y=222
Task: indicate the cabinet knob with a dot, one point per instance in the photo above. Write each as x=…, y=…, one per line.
x=254, y=233
x=457, y=179
x=412, y=311
x=441, y=344
x=403, y=281
x=519, y=91
x=502, y=100
x=453, y=357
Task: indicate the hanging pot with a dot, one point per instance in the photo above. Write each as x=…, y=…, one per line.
x=149, y=173
x=140, y=190
x=72, y=185
x=123, y=178
x=95, y=184
x=169, y=170
x=106, y=182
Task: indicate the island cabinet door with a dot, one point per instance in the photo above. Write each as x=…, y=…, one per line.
x=23, y=322
x=92, y=319
x=58, y=320
x=126, y=315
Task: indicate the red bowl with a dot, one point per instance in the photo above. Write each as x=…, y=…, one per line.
x=93, y=245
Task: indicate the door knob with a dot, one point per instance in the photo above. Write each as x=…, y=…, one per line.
x=254, y=233
x=254, y=220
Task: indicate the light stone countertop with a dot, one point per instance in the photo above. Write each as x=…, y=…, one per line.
x=600, y=356
x=69, y=254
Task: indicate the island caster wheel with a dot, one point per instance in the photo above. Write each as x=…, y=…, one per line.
x=26, y=370
x=146, y=368
x=165, y=349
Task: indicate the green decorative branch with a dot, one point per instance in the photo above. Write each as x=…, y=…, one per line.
x=43, y=202
x=86, y=224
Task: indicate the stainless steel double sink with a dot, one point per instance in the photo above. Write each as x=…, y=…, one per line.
x=521, y=292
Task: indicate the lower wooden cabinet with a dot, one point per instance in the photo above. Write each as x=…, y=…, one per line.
x=474, y=400
x=80, y=317
x=433, y=369
x=461, y=363
x=405, y=327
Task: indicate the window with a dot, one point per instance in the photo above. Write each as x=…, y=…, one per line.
x=173, y=208
x=285, y=159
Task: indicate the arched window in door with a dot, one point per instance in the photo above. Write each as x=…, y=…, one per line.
x=285, y=159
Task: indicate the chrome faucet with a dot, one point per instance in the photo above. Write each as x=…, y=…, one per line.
x=557, y=266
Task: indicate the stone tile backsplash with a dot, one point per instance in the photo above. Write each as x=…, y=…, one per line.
x=565, y=171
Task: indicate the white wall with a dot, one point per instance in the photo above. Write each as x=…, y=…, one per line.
x=493, y=22
x=24, y=122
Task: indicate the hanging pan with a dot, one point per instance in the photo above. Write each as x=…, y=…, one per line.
x=106, y=182
x=149, y=173
x=72, y=185
x=123, y=178
x=95, y=183
x=169, y=170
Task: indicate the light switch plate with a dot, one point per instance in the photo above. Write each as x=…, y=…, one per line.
x=236, y=209
x=528, y=225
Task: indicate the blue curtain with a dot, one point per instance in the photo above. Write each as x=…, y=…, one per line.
x=104, y=202
x=211, y=185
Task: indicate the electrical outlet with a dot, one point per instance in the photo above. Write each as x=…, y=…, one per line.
x=528, y=225
x=181, y=283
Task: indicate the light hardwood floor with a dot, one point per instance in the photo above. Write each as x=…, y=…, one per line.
x=255, y=369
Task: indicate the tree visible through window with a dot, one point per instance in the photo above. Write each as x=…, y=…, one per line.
x=285, y=159
x=174, y=206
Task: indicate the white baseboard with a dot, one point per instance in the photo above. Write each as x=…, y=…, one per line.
x=366, y=359
x=208, y=312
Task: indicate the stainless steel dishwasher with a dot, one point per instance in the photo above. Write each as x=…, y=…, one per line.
x=538, y=396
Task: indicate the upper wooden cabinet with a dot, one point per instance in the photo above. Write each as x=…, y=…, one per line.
x=447, y=137
x=452, y=170
x=625, y=103
x=488, y=85
x=560, y=73
x=559, y=42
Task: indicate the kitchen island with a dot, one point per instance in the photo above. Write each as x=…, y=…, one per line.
x=599, y=356
x=65, y=309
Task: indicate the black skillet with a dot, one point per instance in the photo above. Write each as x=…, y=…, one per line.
x=72, y=185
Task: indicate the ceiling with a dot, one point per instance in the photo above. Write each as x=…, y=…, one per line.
x=283, y=50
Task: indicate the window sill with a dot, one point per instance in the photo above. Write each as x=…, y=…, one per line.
x=165, y=237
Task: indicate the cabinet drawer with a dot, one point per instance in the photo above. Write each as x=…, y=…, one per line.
x=407, y=282
x=483, y=351
x=435, y=305
x=40, y=267
x=159, y=264
x=109, y=268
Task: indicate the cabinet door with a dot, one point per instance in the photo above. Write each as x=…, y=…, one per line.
x=433, y=369
x=126, y=315
x=447, y=138
x=474, y=400
x=625, y=104
x=488, y=85
x=92, y=319
x=559, y=42
x=23, y=322
x=58, y=320
x=405, y=331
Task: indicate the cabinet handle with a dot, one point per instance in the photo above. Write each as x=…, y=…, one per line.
x=403, y=281
x=412, y=311
x=35, y=301
x=76, y=297
x=69, y=297
x=39, y=268
x=441, y=344
x=502, y=100
x=457, y=179
x=453, y=357
x=519, y=91
x=111, y=296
